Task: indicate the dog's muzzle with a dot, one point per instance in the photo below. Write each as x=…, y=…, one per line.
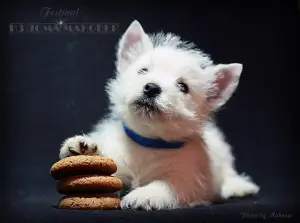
x=147, y=105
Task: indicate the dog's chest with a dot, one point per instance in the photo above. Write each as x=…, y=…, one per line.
x=147, y=164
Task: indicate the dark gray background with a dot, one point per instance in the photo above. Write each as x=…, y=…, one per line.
x=53, y=87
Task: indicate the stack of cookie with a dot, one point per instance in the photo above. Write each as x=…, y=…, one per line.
x=87, y=182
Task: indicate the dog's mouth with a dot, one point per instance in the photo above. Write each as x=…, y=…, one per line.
x=146, y=107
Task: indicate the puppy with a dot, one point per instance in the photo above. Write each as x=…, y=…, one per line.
x=160, y=130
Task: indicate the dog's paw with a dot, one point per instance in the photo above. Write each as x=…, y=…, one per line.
x=238, y=186
x=149, y=198
x=78, y=145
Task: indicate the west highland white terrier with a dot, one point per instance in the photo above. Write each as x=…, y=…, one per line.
x=160, y=130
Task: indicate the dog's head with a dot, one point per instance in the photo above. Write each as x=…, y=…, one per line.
x=166, y=87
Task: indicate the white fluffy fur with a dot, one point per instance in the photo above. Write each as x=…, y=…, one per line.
x=203, y=169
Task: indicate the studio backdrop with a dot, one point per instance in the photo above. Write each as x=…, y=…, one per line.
x=52, y=87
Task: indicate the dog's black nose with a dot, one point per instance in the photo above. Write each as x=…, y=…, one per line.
x=151, y=90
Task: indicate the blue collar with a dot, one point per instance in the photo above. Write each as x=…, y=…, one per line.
x=151, y=143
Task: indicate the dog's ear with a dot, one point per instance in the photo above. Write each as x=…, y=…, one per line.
x=132, y=44
x=225, y=81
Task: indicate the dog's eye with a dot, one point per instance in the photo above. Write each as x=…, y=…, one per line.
x=183, y=87
x=143, y=71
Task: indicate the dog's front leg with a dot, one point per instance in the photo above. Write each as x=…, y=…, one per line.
x=156, y=195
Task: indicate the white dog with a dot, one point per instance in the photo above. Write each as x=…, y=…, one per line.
x=160, y=131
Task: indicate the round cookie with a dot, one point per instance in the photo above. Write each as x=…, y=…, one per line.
x=89, y=183
x=82, y=164
x=90, y=202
